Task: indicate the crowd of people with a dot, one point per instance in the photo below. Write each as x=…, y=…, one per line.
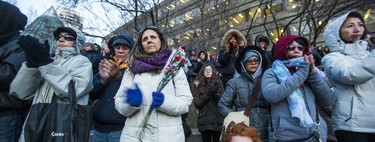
x=306, y=93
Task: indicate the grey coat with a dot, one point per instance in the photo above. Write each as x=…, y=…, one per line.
x=235, y=98
x=351, y=70
x=315, y=89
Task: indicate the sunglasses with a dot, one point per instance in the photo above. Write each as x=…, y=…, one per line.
x=149, y=27
x=67, y=37
x=293, y=47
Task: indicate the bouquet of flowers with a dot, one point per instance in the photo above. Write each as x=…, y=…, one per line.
x=175, y=61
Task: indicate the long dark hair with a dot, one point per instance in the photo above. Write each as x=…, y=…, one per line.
x=201, y=82
x=138, y=52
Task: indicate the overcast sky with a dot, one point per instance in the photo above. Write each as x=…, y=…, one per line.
x=34, y=8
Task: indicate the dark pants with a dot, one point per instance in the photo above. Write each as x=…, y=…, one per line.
x=11, y=127
x=210, y=136
x=348, y=136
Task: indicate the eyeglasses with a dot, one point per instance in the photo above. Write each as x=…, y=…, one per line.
x=299, y=47
x=253, y=62
x=67, y=37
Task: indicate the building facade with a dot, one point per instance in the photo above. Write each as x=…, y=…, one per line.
x=202, y=23
x=69, y=17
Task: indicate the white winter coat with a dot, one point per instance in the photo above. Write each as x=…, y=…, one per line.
x=351, y=70
x=165, y=123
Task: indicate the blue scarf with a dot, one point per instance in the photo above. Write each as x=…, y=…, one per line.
x=296, y=102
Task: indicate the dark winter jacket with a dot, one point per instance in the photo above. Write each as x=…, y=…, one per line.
x=11, y=56
x=105, y=116
x=206, y=104
x=227, y=57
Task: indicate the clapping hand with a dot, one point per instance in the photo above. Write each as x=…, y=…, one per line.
x=37, y=54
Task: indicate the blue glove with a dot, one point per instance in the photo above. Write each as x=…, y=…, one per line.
x=157, y=99
x=134, y=97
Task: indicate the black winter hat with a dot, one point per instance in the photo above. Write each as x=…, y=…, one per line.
x=64, y=29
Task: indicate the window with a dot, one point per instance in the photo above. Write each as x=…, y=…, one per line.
x=274, y=6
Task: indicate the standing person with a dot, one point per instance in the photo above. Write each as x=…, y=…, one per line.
x=263, y=42
x=295, y=87
x=232, y=42
x=192, y=64
x=137, y=92
x=41, y=78
x=91, y=54
x=207, y=90
x=108, y=123
x=12, y=110
x=203, y=59
x=351, y=71
x=250, y=64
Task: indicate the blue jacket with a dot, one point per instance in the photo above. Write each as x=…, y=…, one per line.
x=235, y=98
x=315, y=90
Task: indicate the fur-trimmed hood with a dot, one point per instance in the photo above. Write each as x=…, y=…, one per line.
x=228, y=34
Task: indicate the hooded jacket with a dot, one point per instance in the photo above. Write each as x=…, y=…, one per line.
x=227, y=58
x=237, y=95
x=314, y=90
x=52, y=80
x=11, y=56
x=351, y=71
x=260, y=38
x=268, y=53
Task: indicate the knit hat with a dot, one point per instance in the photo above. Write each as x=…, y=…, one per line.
x=123, y=39
x=64, y=29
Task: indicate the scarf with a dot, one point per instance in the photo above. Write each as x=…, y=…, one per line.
x=296, y=102
x=156, y=62
x=123, y=64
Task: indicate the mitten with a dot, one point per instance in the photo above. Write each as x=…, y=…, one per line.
x=134, y=97
x=157, y=99
x=35, y=50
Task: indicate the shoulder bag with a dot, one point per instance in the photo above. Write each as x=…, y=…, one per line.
x=59, y=122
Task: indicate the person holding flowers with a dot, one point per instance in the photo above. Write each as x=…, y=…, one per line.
x=154, y=91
